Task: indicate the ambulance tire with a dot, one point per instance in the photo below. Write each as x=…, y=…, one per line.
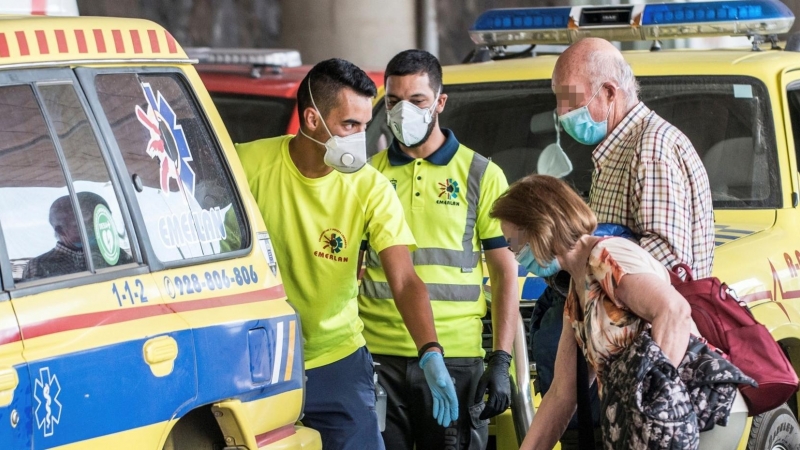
x=775, y=430
x=197, y=430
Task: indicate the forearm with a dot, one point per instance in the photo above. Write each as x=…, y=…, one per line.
x=505, y=312
x=549, y=423
x=505, y=297
x=670, y=330
x=560, y=402
x=414, y=306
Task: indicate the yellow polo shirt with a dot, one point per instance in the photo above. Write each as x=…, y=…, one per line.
x=446, y=199
x=316, y=226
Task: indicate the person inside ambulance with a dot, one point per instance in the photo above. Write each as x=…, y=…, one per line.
x=68, y=256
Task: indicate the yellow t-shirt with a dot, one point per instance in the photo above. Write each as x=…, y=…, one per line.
x=446, y=199
x=316, y=226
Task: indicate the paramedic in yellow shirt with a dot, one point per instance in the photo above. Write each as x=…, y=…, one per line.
x=447, y=192
x=318, y=199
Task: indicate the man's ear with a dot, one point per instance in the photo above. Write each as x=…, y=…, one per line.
x=311, y=119
x=610, y=91
x=441, y=102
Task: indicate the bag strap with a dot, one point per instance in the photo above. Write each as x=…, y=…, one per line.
x=585, y=422
x=675, y=274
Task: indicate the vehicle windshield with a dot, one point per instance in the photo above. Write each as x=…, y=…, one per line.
x=727, y=118
x=249, y=117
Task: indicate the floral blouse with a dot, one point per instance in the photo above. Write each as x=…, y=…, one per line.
x=604, y=326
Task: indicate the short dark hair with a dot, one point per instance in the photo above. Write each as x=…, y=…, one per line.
x=413, y=62
x=328, y=78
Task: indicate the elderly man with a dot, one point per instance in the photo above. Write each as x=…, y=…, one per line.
x=648, y=178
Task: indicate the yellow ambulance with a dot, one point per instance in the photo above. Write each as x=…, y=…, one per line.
x=140, y=302
x=740, y=108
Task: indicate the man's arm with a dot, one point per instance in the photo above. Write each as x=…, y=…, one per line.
x=663, y=214
x=505, y=297
x=410, y=294
x=505, y=318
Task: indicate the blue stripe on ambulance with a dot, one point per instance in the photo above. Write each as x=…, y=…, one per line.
x=115, y=394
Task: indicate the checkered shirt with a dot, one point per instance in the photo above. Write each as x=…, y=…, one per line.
x=61, y=260
x=648, y=177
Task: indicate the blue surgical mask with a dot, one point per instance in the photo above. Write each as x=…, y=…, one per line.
x=579, y=124
x=525, y=259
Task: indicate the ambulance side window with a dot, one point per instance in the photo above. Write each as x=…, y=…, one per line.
x=187, y=201
x=793, y=96
x=37, y=214
x=106, y=233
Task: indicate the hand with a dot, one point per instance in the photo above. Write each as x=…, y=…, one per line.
x=445, y=403
x=496, y=380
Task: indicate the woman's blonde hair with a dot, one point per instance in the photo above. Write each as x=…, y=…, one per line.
x=552, y=216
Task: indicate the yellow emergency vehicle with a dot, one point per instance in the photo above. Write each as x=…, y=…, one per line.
x=740, y=108
x=140, y=303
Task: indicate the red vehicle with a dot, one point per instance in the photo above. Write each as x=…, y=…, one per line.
x=255, y=90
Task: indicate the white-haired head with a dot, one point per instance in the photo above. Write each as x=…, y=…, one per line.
x=603, y=66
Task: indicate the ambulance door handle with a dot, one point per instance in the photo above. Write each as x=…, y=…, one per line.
x=160, y=354
x=9, y=380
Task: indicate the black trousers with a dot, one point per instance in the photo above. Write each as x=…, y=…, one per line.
x=409, y=409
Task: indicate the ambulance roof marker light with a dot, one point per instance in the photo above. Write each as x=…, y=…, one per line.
x=257, y=58
x=565, y=25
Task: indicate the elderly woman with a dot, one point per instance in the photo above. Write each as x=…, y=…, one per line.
x=633, y=328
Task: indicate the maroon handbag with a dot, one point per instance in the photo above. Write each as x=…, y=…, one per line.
x=727, y=324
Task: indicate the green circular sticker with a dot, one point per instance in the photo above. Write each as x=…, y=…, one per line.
x=106, y=234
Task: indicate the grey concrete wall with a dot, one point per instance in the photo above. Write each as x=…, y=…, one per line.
x=366, y=32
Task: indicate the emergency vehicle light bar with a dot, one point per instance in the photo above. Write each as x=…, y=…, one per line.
x=249, y=56
x=565, y=25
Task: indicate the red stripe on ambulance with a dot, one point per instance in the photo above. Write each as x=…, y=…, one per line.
x=4, y=46
x=171, y=44
x=61, y=41
x=81, y=38
x=22, y=42
x=41, y=39
x=137, y=43
x=154, y=47
x=102, y=318
x=118, y=44
x=100, y=41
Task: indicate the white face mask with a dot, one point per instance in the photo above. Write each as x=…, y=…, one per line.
x=553, y=161
x=346, y=154
x=409, y=123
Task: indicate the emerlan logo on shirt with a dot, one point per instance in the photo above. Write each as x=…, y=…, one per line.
x=333, y=242
x=448, y=193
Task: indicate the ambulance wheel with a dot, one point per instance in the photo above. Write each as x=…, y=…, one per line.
x=775, y=430
x=197, y=430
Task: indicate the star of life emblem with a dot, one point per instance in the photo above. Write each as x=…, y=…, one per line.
x=48, y=408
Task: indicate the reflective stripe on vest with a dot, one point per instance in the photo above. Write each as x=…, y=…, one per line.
x=436, y=291
x=467, y=259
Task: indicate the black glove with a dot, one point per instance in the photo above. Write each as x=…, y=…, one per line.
x=497, y=381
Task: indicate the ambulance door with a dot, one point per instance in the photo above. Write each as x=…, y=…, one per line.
x=15, y=403
x=110, y=364
x=198, y=241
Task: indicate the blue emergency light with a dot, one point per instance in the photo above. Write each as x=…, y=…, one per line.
x=565, y=25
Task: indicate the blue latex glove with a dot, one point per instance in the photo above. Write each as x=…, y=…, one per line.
x=445, y=403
